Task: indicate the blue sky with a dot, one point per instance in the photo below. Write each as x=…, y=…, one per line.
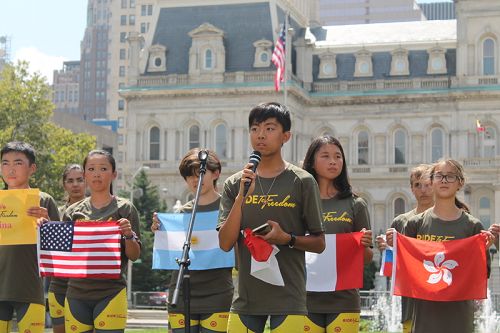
x=44, y=32
x=47, y=32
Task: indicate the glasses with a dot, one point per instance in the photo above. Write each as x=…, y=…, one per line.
x=74, y=181
x=451, y=178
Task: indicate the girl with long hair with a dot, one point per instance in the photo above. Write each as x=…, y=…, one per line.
x=343, y=212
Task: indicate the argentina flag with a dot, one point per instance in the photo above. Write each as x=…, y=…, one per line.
x=205, y=252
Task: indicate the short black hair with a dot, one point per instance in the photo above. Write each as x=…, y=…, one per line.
x=20, y=147
x=268, y=110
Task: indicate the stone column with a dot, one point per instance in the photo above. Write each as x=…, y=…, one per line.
x=134, y=39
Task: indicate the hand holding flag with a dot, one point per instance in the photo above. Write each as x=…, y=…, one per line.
x=440, y=271
x=205, y=252
x=79, y=249
x=264, y=265
x=339, y=267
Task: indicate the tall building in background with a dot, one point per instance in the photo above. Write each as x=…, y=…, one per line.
x=66, y=88
x=341, y=12
x=131, y=19
x=94, y=61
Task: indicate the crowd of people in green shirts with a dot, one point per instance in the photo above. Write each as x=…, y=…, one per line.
x=318, y=188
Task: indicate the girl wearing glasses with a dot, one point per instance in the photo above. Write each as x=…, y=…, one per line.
x=449, y=219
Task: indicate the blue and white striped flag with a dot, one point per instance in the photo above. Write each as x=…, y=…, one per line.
x=205, y=252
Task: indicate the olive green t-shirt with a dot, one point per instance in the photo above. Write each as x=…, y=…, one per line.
x=95, y=289
x=19, y=277
x=438, y=317
x=340, y=216
x=292, y=201
x=399, y=223
x=211, y=289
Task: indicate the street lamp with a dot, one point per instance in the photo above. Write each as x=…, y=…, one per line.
x=129, y=264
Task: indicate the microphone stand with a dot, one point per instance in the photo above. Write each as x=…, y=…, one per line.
x=183, y=278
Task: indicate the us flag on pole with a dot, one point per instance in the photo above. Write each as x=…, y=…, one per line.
x=279, y=59
x=79, y=249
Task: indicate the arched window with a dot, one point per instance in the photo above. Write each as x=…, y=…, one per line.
x=208, y=59
x=194, y=137
x=484, y=211
x=437, y=144
x=221, y=141
x=400, y=147
x=154, y=143
x=363, y=147
x=489, y=57
x=489, y=144
x=399, y=206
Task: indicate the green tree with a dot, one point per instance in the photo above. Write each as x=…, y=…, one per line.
x=370, y=270
x=25, y=111
x=147, y=201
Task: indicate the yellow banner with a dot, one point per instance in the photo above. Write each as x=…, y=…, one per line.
x=16, y=227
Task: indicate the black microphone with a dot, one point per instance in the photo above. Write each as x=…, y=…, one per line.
x=255, y=160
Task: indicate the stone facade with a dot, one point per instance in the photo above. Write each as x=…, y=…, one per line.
x=396, y=95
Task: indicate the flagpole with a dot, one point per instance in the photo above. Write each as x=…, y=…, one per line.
x=287, y=49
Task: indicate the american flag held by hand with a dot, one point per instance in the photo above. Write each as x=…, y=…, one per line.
x=79, y=249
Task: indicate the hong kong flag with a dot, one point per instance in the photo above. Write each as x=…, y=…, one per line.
x=440, y=271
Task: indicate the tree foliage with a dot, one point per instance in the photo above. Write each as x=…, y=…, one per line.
x=25, y=111
x=147, y=200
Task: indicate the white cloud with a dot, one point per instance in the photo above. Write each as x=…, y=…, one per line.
x=40, y=62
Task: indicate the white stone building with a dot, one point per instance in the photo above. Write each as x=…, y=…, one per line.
x=396, y=94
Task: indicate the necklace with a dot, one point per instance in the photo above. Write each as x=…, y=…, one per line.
x=264, y=202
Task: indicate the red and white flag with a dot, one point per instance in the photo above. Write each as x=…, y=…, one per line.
x=440, y=271
x=339, y=267
x=79, y=249
x=479, y=126
x=279, y=58
x=263, y=263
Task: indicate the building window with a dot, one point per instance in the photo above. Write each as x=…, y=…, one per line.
x=399, y=147
x=144, y=27
x=131, y=20
x=124, y=3
x=122, y=71
x=363, y=147
x=132, y=3
x=146, y=10
x=123, y=20
x=484, y=211
x=437, y=144
x=488, y=57
x=208, y=59
x=120, y=122
x=120, y=139
x=221, y=141
x=489, y=139
x=194, y=137
x=121, y=104
x=154, y=143
x=123, y=54
x=399, y=206
x=123, y=37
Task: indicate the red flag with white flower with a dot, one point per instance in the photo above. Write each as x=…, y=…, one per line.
x=440, y=271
